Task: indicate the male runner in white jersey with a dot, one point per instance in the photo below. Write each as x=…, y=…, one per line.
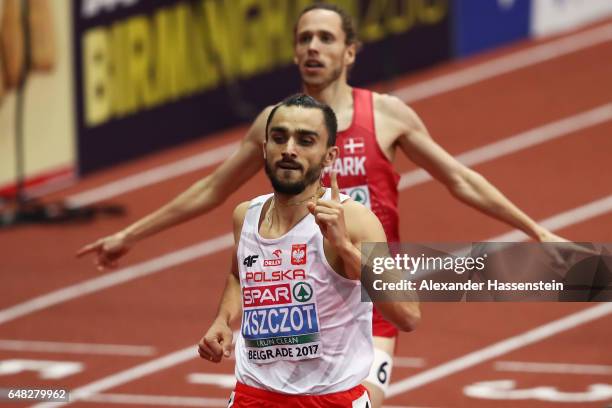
x=306, y=338
x=325, y=47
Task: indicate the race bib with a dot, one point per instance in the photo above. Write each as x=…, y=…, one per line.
x=280, y=322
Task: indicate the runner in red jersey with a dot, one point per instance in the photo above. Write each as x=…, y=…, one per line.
x=326, y=45
x=368, y=177
x=364, y=172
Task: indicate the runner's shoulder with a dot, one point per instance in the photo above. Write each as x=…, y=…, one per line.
x=392, y=106
x=355, y=208
x=240, y=210
x=238, y=217
x=361, y=221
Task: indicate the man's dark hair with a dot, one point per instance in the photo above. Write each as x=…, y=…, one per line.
x=305, y=101
x=348, y=24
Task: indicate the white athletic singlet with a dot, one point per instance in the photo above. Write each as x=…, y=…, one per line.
x=304, y=327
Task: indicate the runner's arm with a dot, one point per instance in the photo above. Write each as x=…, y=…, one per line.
x=212, y=190
x=405, y=315
x=463, y=183
x=231, y=305
x=201, y=197
x=217, y=342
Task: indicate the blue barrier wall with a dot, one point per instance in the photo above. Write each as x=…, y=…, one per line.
x=483, y=24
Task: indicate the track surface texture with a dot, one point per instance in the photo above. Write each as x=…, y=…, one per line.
x=127, y=337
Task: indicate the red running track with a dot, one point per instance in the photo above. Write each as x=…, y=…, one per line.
x=168, y=309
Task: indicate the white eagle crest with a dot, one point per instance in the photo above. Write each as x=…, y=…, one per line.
x=299, y=254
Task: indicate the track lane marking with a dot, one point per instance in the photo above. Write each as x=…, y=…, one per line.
x=75, y=348
x=428, y=376
x=408, y=362
x=500, y=348
x=409, y=179
x=556, y=368
x=520, y=141
x=153, y=176
x=506, y=64
x=423, y=378
x=121, y=276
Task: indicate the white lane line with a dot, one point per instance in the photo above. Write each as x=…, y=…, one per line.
x=453, y=366
x=152, y=176
x=410, y=362
x=126, y=376
x=163, y=400
x=562, y=220
x=51, y=186
x=219, y=380
x=505, y=64
x=116, y=278
x=409, y=179
x=75, y=348
x=500, y=348
x=521, y=141
x=411, y=93
x=553, y=368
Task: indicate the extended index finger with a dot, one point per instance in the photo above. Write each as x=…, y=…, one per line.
x=335, y=194
x=87, y=249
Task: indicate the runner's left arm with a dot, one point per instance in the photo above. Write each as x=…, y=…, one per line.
x=217, y=342
x=463, y=183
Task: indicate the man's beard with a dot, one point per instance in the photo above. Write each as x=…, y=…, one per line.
x=294, y=187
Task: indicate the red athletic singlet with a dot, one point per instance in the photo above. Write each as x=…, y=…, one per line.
x=367, y=176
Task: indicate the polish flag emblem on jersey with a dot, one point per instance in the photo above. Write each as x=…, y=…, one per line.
x=298, y=254
x=354, y=145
